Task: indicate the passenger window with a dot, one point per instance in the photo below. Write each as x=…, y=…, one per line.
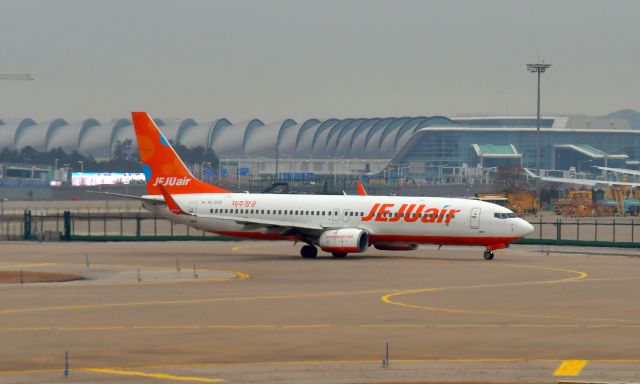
x=311, y=213
x=268, y=211
x=211, y=210
x=262, y=211
x=323, y=213
x=285, y=211
x=279, y=211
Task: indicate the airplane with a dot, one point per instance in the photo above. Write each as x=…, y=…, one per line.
x=620, y=170
x=586, y=182
x=336, y=224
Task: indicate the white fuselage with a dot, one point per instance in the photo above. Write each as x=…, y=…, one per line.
x=386, y=219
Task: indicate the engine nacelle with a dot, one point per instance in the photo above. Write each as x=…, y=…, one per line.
x=351, y=240
x=396, y=246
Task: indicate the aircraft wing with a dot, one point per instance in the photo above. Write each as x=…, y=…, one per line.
x=566, y=180
x=587, y=182
x=620, y=170
x=625, y=183
x=266, y=223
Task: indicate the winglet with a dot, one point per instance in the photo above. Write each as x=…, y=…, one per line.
x=171, y=203
x=361, y=190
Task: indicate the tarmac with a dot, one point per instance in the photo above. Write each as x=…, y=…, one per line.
x=248, y=312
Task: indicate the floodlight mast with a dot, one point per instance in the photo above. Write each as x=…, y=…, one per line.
x=538, y=69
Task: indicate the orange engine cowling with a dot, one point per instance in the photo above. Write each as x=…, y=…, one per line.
x=351, y=240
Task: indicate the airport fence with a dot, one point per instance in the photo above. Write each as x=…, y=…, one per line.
x=595, y=232
x=97, y=226
x=144, y=226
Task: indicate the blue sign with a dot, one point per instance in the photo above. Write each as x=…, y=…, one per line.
x=224, y=172
x=302, y=176
x=208, y=172
x=244, y=171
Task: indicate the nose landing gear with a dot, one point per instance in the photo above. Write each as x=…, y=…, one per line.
x=309, y=252
x=488, y=255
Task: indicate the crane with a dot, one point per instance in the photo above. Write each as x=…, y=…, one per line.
x=16, y=76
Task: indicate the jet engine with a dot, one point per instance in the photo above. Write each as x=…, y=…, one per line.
x=351, y=240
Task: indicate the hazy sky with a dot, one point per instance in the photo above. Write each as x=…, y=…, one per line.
x=300, y=59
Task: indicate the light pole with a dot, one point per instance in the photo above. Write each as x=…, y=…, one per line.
x=2, y=214
x=538, y=69
x=81, y=166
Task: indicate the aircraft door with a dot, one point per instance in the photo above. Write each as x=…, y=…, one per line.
x=335, y=214
x=345, y=214
x=475, y=218
x=193, y=206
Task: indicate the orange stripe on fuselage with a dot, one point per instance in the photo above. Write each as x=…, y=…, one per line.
x=373, y=239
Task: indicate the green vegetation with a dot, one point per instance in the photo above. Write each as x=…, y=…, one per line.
x=123, y=160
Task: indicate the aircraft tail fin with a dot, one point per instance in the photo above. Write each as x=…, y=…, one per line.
x=161, y=164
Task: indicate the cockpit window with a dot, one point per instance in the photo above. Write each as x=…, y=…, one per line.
x=503, y=215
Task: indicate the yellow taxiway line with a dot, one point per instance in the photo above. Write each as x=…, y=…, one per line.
x=280, y=327
x=32, y=265
x=570, y=368
x=572, y=365
x=161, y=376
x=579, y=276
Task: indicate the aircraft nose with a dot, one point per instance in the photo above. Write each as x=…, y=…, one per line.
x=525, y=228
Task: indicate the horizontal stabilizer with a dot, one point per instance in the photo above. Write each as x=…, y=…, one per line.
x=132, y=197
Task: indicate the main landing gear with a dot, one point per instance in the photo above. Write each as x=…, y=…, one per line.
x=488, y=255
x=309, y=252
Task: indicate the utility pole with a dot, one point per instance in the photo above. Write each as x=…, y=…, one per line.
x=538, y=69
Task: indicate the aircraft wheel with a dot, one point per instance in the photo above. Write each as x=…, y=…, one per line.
x=309, y=252
x=488, y=255
x=339, y=255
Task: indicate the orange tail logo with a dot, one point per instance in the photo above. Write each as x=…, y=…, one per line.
x=161, y=164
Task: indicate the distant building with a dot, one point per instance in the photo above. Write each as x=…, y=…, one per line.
x=424, y=147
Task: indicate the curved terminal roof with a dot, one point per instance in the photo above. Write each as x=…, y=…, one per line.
x=10, y=129
x=361, y=138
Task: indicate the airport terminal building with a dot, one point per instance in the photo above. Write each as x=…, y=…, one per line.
x=426, y=148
